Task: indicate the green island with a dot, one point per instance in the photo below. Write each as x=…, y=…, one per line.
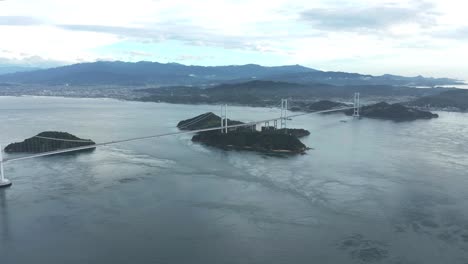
x=49, y=141
x=268, y=140
x=206, y=120
x=395, y=112
x=316, y=106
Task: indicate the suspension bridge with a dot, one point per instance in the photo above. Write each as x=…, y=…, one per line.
x=224, y=128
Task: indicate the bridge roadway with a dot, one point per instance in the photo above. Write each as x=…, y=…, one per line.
x=5, y=160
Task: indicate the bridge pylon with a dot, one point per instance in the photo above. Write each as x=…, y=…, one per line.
x=3, y=181
x=284, y=113
x=356, y=105
x=224, y=120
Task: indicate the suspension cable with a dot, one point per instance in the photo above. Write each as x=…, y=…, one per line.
x=200, y=118
x=66, y=140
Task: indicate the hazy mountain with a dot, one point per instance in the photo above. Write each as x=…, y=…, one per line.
x=451, y=99
x=345, y=78
x=143, y=73
x=140, y=73
x=285, y=89
x=263, y=92
x=5, y=69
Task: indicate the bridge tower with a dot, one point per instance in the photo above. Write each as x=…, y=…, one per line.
x=3, y=181
x=357, y=105
x=284, y=112
x=224, y=120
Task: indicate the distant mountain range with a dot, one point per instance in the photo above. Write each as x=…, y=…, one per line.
x=5, y=69
x=160, y=74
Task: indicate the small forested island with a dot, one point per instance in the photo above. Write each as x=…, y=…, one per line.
x=395, y=112
x=252, y=140
x=48, y=141
x=316, y=106
x=267, y=140
x=206, y=120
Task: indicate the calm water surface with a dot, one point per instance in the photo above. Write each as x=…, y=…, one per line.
x=370, y=191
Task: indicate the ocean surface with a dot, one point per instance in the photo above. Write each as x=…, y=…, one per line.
x=369, y=191
x=459, y=86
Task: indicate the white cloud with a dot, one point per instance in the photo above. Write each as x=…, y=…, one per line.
x=372, y=17
x=50, y=42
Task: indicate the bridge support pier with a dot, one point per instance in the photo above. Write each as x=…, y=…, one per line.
x=3, y=181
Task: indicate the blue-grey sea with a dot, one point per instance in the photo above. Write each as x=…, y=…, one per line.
x=369, y=191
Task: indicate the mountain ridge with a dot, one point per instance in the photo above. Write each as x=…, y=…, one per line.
x=264, y=93
x=7, y=69
x=155, y=73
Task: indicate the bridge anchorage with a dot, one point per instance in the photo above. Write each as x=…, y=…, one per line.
x=282, y=119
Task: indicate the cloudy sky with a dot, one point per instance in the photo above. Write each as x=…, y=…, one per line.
x=409, y=37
